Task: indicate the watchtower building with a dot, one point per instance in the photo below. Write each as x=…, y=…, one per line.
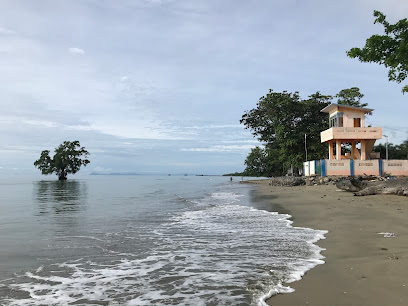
x=346, y=125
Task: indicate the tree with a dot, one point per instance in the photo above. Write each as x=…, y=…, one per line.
x=256, y=162
x=394, y=151
x=281, y=120
x=390, y=50
x=68, y=158
x=350, y=96
x=263, y=162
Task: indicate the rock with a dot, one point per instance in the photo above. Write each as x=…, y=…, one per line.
x=287, y=181
x=309, y=182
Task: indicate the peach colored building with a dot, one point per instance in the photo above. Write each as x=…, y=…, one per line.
x=346, y=125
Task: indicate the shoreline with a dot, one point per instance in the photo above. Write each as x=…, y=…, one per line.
x=362, y=267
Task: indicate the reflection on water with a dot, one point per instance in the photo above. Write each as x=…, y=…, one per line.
x=60, y=197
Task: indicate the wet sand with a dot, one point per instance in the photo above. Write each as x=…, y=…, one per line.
x=362, y=267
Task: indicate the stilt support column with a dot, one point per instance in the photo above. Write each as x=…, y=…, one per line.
x=330, y=150
x=338, y=149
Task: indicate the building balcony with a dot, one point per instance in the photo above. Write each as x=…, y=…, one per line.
x=351, y=133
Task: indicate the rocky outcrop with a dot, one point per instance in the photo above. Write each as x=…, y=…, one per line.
x=287, y=181
x=299, y=181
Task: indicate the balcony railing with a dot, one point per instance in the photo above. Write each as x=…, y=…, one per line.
x=349, y=133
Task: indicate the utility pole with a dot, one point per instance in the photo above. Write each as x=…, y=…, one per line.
x=386, y=147
x=305, y=147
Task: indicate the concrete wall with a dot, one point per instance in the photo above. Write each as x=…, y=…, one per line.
x=349, y=115
x=367, y=167
x=355, y=167
x=395, y=167
x=309, y=168
x=337, y=167
x=351, y=134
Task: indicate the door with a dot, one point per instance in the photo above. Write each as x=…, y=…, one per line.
x=318, y=167
x=357, y=122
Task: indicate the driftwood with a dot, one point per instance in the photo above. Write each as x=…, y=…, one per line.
x=362, y=187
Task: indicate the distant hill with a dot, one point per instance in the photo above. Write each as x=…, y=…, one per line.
x=160, y=174
x=115, y=173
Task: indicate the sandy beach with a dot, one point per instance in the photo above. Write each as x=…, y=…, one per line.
x=362, y=267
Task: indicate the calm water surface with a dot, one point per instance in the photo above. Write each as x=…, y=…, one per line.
x=145, y=240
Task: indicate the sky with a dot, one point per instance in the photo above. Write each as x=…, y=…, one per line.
x=159, y=86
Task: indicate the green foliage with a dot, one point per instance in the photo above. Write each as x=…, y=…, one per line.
x=235, y=174
x=281, y=120
x=68, y=158
x=256, y=162
x=394, y=151
x=390, y=50
x=350, y=96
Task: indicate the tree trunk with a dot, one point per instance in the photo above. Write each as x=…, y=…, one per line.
x=62, y=176
x=362, y=188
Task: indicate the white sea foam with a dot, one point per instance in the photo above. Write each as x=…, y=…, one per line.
x=214, y=253
x=387, y=234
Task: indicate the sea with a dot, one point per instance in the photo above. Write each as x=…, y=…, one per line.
x=147, y=240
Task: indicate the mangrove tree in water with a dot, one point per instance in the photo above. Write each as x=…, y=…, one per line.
x=68, y=158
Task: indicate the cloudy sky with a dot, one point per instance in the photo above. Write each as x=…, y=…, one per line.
x=160, y=85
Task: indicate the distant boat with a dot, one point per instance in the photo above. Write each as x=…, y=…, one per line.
x=185, y=175
x=169, y=174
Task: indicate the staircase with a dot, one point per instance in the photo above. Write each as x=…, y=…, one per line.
x=370, y=146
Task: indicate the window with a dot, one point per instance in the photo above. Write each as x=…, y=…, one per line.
x=333, y=121
x=336, y=120
x=340, y=119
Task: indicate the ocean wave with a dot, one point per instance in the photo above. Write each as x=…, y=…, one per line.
x=214, y=252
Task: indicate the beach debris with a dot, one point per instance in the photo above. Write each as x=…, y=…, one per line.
x=387, y=234
x=351, y=184
x=393, y=257
x=361, y=187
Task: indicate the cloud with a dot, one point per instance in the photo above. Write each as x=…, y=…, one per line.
x=220, y=148
x=253, y=141
x=76, y=51
x=5, y=31
x=20, y=119
x=42, y=123
x=79, y=127
x=149, y=102
x=221, y=126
